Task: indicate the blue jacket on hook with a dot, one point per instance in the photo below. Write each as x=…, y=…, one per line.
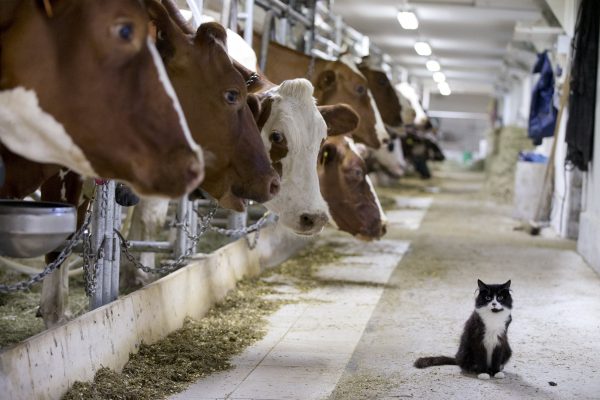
x=542, y=115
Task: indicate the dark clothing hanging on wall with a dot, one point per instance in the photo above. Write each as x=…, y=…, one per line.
x=584, y=75
x=542, y=114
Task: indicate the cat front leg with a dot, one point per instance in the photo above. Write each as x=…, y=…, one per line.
x=483, y=376
x=499, y=375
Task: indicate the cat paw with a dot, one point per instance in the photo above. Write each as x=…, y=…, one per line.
x=499, y=375
x=483, y=376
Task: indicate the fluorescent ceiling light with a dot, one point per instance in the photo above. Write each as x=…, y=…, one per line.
x=423, y=48
x=408, y=20
x=433, y=66
x=444, y=88
x=439, y=77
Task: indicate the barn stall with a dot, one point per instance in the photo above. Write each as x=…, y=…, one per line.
x=269, y=199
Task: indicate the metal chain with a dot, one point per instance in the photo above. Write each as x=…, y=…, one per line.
x=203, y=226
x=63, y=255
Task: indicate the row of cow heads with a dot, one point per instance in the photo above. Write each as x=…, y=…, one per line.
x=93, y=84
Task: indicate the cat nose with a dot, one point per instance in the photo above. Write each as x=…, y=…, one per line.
x=494, y=304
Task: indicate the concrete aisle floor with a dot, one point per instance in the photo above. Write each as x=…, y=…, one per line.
x=359, y=341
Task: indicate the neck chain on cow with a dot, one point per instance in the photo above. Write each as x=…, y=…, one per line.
x=253, y=79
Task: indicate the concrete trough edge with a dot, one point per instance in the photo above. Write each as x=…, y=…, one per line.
x=46, y=365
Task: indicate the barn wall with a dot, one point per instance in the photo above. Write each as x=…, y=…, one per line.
x=589, y=224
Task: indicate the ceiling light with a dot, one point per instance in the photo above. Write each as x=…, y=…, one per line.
x=408, y=20
x=439, y=77
x=433, y=66
x=444, y=89
x=423, y=48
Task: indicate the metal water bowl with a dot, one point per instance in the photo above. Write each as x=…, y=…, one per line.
x=32, y=228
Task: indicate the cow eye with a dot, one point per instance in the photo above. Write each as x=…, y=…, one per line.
x=276, y=137
x=232, y=96
x=361, y=89
x=124, y=31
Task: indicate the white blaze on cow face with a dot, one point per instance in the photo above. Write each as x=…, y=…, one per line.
x=353, y=148
x=166, y=82
x=27, y=130
x=295, y=115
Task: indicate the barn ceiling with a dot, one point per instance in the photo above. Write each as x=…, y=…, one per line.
x=471, y=39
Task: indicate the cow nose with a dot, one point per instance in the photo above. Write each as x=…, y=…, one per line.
x=383, y=229
x=309, y=221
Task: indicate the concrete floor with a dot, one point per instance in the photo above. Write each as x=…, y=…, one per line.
x=359, y=341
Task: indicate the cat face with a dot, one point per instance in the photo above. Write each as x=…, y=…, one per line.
x=496, y=298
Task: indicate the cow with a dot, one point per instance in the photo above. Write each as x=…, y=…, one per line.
x=335, y=82
x=345, y=185
x=388, y=159
x=384, y=94
x=293, y=129
x=81, y=85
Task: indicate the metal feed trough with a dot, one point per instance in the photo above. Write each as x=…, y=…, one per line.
x=31, y=229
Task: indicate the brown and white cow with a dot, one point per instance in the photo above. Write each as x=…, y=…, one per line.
x=346, y=187
x=81, y=85
x=293, y=129
x=335, y=82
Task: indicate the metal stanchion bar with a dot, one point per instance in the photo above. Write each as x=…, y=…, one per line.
x=249, y=21
x=98, y=213
x=196, y=6
x=181, y=220
x=116, y=267
x=109, y=220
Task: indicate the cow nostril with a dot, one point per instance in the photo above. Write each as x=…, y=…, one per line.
x=307, y=221
x=383, y=230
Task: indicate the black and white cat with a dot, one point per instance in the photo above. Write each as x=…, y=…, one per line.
x=484, y=348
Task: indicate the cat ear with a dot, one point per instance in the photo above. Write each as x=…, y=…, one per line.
x=507, y=285
x=481, y=285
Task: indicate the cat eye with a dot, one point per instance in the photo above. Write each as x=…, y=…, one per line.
x=500, y=298
x=488, y=298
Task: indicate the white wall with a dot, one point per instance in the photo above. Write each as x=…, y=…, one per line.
x=516, y=103
x=589, y=224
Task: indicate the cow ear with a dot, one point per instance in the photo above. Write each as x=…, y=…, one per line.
x=211, y=32
x=326, y=80
x=340, y=118
x=266, y=102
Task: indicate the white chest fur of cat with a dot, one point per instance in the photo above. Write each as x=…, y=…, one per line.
x=495, y=326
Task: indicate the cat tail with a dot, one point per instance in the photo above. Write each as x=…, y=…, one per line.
x=425, y=362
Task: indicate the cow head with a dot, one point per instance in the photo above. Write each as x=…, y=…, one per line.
x=88, y=90
x=346, y=187
x=293, y=129
x=384, y=94
x=338, y=83
x=217, y=106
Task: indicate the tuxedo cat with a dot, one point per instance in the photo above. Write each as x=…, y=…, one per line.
x=484, y=348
